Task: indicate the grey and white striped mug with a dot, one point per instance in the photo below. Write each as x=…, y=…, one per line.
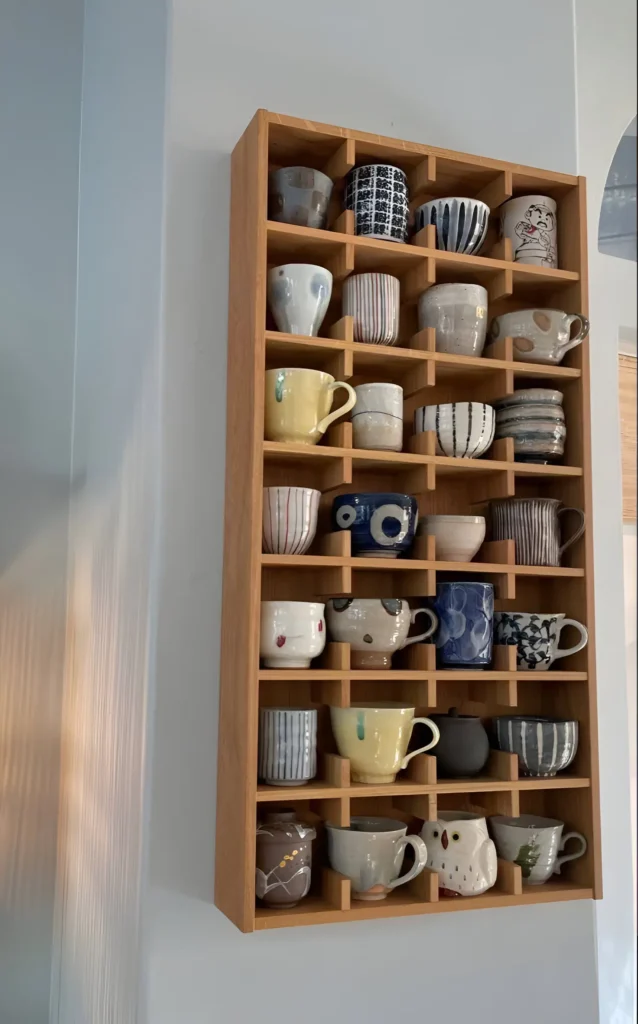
x=287, y=746
x=534, y=526
x=544, y=746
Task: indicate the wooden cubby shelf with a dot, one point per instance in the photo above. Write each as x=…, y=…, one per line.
x=441, y=485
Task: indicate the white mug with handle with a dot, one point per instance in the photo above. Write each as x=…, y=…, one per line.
x=370, y=853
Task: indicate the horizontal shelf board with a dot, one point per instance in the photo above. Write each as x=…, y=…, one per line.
x=314, y=910
x=405, y=787
x=407, y=564
x=413, y=675
x=398, y=460
x=397, y=356
x=303, y=241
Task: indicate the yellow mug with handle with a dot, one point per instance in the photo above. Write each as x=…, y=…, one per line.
x=298, y=404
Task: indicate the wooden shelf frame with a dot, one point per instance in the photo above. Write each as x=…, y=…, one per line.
x=440, y=484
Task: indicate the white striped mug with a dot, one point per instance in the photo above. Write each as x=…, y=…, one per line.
x=374, y=301
x=534, y=526
x=289, y=519
x=287, y=746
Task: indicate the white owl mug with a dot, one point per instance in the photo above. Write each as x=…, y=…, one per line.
x=461, y=852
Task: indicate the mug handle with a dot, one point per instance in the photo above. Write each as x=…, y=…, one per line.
x=562, y=652
x=581, y=332
x=420, y=857
x=579, y=532
x=435, y=733
x=323, y=424
x=428, y=632
x=570, y=856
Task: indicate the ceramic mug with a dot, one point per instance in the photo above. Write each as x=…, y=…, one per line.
x=534, y=419
x=370, y=853
x=534, y=526
x=534, y=843
x=375, y=739
x=540, y=335
x=544, y=746
x=461, y=852
x=378, y=194
x=374, y=627
x=458, y=314
x=298, y=404
x=299, y=195
x=381, y=525
x=457, y=538
x=536, y=637
x=530, y=223
x=465, y=611
x=464, y=430
x=373, y=300
x=292, y=633
x=299, y=296
x=377, y=418
x=289, y=520
x=287, y=746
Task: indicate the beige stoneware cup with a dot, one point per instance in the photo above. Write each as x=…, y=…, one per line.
x=298, y=404
x=375, y=739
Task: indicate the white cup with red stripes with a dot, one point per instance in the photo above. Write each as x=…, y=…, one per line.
x=289, y=519
x=373, y=300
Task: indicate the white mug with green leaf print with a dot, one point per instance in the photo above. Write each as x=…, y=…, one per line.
x=534, y=843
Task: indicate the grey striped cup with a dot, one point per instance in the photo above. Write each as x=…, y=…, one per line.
x=287, y=746
x=544, y=745
x=534, y=526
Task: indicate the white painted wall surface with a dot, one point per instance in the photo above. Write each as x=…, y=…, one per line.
x=457, y=75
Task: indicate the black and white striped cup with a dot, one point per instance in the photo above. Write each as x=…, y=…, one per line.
x=287, y=746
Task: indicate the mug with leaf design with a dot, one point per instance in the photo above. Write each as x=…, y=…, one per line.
x=298, y=404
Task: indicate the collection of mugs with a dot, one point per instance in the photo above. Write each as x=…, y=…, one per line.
x=462, y=847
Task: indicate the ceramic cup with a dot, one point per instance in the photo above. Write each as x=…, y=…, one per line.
x=534, y=843
x=370, y=853
x=534, y=526
x=377, y=418
x=374, y=627
x=298, y=296
x=287, y=746
x=540, y=335
x=375, y=739
x=292, y=633
x=530, y=223
x=298, y=404
x=544, y=746
x=466, y=613
x=373, y=300
x=299, y=195
x=458, y=313
x=536, y=637
x=464, y=430
x=464, y=747
x=283, y=859
x=381, y=525
x=461, y=852
x=457, y=538
x=461, y=224
x=534, y=419
x=378, y=194
x=289, y=519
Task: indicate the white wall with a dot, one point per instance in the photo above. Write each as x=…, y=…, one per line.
x=457, y=75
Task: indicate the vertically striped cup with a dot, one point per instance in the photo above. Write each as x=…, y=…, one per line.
x=287, y=746
x=534, y=526
x=289, y=519
x=373, y=300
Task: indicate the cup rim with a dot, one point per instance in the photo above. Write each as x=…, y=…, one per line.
x=452, y=284
x=380, y=384
x=286, y=487
x=393, y=167
x=447, y=199
x=300, y=167
x=294, y=604
x=307, y=266
x=535, y=719
x=401, y=827
x=452, y=405
x=376, y=494
x=477, y=520
x=536, y=821
x=370, y=273
x=268, y=708
x=543, y=615
x=381, y=705
x=516, y=199
x=300, y=369
x=530, y=309
x=450, y=816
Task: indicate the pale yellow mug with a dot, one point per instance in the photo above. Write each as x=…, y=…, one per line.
x=298, y=404
x=375, y=739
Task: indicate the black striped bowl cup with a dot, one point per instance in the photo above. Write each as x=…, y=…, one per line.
x=287, y=746
x=544, y=746
x=461, y=224
x=464, y=430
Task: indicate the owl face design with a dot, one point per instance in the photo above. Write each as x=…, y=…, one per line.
x=461, y=852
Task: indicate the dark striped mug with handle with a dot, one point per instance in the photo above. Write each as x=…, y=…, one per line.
x=534, y=526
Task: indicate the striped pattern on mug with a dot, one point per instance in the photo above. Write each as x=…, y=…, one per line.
x=532, y=523
x=544, y=747
x=464, y=430
x=287, y=745
x=373, y=301
x=289, y=519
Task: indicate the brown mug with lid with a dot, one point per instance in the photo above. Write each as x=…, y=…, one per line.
x=284, y=859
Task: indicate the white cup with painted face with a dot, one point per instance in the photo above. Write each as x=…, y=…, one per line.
x=370, y=853
x=292, y=633
x=375, y=627
x=530, y=223
x=377, y=418
x=534, y=843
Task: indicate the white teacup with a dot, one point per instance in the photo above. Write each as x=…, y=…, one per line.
x=377, y=418
x=458, y=538
x=540, y=335
x=458, y=313
x=374, y=627
x=534, y=844
x=292, y=633
x=370, y=853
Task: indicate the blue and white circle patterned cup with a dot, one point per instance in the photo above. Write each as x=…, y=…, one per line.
x=466, y=617
x=382, y=524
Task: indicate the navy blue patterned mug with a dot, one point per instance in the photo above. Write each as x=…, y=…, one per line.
x=466, y=616
x=382, y=525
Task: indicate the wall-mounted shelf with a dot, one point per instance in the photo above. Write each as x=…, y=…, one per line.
x=441, y=485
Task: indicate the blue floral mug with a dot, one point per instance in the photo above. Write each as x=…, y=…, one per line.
x=466, y=620
x=382, y=524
